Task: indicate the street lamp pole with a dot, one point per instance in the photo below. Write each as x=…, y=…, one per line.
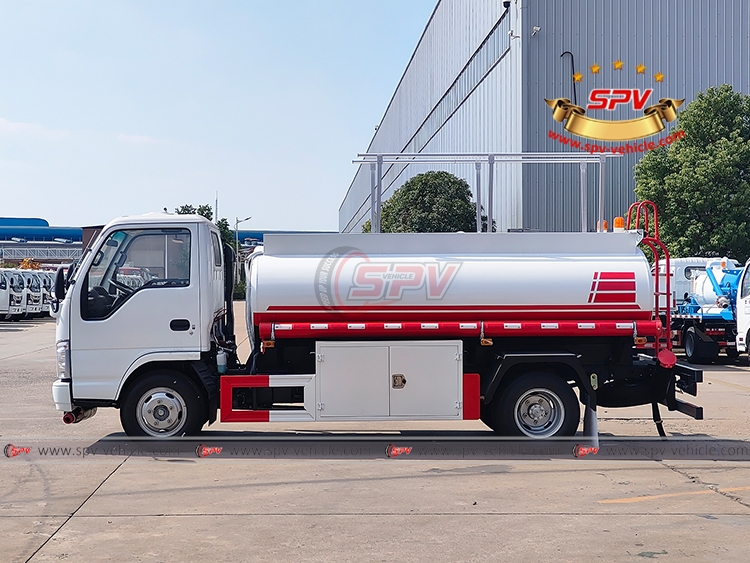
x=237, y=222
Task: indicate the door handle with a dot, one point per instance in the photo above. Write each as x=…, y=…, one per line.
x=179, y=325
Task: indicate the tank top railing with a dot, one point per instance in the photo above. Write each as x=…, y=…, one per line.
x=645, y=212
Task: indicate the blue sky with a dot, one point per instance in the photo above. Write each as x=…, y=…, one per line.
x=114, y=108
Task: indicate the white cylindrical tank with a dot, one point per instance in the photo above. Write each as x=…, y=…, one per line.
x=701, y=287
x=456, y=276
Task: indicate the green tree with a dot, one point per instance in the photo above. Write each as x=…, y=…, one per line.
x=701, y=182
x=227, y=234
x=433, y=202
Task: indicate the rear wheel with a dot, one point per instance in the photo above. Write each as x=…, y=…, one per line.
x=537, y=405
x=691, y=346
x=162, y=405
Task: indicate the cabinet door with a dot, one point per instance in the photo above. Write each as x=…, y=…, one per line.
x=425, y=380
x=353, y=381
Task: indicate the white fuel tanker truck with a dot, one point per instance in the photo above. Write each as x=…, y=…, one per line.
x=518, y=329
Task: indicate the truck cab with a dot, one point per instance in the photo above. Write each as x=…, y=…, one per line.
x=46, y=280
x=143, y=306
x=16, y=294
x=33, y=293
x=4, y=296
x=743, y=310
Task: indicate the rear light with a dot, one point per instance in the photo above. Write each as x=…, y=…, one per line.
x=63, y=359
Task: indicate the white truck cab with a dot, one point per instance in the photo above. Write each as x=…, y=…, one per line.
x=16, y=294
x=743, y=310
x=46, y=280
x=138, y=305
x=4, y=296
x=33, y=293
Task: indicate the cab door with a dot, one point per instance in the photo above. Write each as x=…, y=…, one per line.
x=139, y=297
x=743, y=310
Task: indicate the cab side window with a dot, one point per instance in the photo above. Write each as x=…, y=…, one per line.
x=3, y=282
x=217, y=250
x=746, y=285
x=130, y=261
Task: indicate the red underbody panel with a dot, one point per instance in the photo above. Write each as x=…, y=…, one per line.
x=471, y=396
x=229, y=382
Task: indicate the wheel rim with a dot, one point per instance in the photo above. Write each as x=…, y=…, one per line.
x=161, y=412
x=539, y=413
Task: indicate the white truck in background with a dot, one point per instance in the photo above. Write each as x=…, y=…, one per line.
x=16, y=295
x=33, y=293
x=520, y=330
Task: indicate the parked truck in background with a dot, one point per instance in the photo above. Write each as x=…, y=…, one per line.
x=705, y=318
x=33, y=293
x=16, y=294
x=521, y=330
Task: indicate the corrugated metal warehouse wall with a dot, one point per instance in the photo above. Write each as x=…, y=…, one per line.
x=470, y=87
x=430, y=92
x=693, y=43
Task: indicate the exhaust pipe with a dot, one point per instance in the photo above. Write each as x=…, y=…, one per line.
x=77, y=415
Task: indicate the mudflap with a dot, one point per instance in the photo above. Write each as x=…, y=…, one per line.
x=210, y=381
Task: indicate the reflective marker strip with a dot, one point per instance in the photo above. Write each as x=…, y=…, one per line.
x=514, y=326
x=628, y=326
x=550, y=325
x=466, y=326
x=586, y=325
x=392, y=325
x=430, y=325
x=283, y=327
x=319, y=327
x=352, y=326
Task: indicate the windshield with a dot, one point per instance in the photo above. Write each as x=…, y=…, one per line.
x=17, y=283
x=32, y=282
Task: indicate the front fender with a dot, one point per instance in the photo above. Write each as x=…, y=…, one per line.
x=152, y=357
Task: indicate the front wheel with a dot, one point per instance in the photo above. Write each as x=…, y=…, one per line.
x=163, y=405
x=538, y=405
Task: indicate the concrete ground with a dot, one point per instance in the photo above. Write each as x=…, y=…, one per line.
x=160, y=508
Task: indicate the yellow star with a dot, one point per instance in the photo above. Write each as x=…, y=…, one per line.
x=595, y=68
x=640, y=69
x=618, y=64
x=659, y=77
x=578, y=77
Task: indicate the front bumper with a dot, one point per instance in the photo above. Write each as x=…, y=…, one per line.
x=61, y=394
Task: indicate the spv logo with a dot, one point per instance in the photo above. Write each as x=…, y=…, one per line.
x=610, y=98
x=375, y=281
x=347, y=276
x=576, y=121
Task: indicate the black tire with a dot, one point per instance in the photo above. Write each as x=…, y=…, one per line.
x=691, y=346
x=733, y=353
x=165, y=398
x=541, y=394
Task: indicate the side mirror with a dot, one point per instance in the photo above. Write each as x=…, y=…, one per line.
x=60, y=284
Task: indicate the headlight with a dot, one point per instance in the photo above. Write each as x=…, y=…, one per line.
x=63, y=359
